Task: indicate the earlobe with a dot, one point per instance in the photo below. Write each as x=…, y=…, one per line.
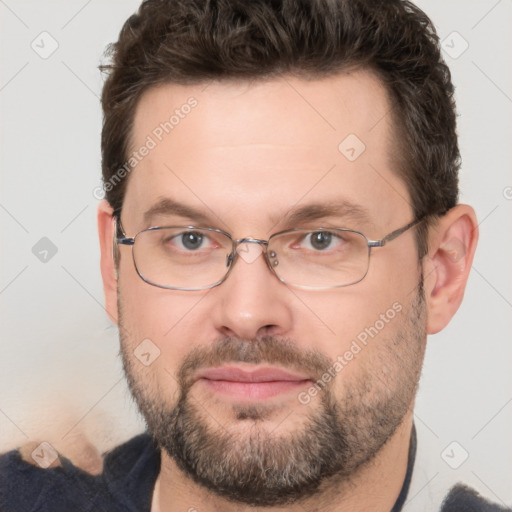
x=452, y=245
x=109, y=271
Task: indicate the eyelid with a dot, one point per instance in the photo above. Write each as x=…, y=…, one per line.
x=324, y=226
x=175, y=220
x=305, y=236
x=207, y=235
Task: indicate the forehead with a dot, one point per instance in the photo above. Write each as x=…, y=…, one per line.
x=237, y=148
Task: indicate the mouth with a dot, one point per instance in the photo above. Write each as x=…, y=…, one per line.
x=255, y=384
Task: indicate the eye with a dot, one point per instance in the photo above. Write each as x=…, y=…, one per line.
x=190, y=240
x=321, y=240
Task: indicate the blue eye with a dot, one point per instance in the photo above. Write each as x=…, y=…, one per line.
x=191, y=240
x=322, y=240
x=188, y=241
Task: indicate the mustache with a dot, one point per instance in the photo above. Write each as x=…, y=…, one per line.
x=267, y=349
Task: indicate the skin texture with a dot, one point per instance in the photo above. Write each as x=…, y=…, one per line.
x=246, y=156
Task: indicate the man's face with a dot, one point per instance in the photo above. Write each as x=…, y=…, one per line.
x=246, y=157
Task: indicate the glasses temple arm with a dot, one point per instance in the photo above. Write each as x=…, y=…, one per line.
x=395, y=234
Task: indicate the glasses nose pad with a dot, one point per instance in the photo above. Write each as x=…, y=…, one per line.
x=272, y=258
x=249, y=250
x=229, y=259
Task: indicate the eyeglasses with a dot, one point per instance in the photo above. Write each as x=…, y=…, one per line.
x=196, y=258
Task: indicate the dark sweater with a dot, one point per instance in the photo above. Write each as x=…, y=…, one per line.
x=127, y=481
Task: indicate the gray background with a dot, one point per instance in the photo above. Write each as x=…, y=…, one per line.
x=59, y=371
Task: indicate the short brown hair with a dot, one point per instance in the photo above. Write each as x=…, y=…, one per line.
x=194, y=41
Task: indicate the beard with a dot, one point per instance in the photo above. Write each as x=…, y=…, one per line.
x=245, y=461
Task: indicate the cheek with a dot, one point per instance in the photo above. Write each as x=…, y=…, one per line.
x=159, y=327
x=354, y=325
x=152, y=312
x=336, y=317
x=375, y=353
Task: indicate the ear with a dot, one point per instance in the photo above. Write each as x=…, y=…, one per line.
x=452, y=244
x=108, y=268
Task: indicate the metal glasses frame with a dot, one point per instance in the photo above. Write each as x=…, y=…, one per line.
x=233, y=255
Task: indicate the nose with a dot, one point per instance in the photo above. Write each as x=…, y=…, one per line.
x=251, y=302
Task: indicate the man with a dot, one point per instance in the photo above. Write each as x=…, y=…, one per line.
x=280, y=234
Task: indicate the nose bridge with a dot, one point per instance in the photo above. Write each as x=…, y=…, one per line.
x=250, y=248
x=251, y=303
x=250, y=240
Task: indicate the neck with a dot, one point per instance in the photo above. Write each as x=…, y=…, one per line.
x=375, y=486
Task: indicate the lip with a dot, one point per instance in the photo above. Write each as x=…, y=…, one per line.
x=260, y=383
x=261, y=374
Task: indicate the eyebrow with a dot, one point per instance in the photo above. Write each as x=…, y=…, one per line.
x=294, y=217
x=334, y=208
x=167, y=206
